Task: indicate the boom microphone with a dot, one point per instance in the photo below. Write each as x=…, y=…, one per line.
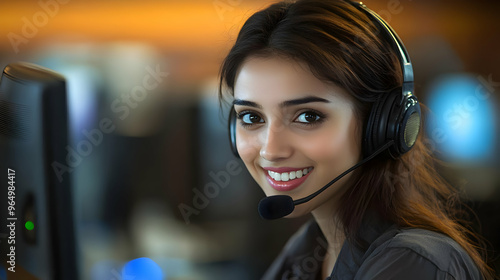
x=278, y=206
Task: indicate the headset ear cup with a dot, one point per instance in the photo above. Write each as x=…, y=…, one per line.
x=232, y=132
x=390, y=120
x=394, y=119
x=383, y=121
x=375, y=130
x=410, y=125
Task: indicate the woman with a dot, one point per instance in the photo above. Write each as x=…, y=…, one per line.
x=304, y=77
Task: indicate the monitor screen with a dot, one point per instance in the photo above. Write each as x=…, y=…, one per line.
x=37, y=233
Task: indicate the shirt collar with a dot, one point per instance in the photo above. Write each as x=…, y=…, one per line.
x=372, y=232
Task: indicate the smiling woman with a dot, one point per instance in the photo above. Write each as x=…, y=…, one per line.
x=319, y=88
x=294, y=125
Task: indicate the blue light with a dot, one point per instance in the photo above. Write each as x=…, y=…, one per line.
x=3, y=273
x=142, y=269
x=464, y=118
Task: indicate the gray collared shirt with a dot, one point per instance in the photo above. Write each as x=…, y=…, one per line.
x=387, y=252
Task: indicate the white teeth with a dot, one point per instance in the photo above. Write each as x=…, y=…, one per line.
x=284, y=177
x=287, y=176
x=277, y=176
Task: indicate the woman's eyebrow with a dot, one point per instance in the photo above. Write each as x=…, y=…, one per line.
x=246, y=103
x=304, y=100
x=287, y=103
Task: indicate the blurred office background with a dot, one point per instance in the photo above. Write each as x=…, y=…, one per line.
x=170, y=143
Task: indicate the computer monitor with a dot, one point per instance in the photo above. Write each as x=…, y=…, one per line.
x=37, y=238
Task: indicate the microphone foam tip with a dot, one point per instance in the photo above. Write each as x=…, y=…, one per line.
x=275, y=207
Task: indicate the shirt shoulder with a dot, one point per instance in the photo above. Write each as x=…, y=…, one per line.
x=418, y=254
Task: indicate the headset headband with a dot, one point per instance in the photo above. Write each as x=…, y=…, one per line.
x=404, y=58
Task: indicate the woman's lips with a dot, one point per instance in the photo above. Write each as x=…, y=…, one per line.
x=289, y=178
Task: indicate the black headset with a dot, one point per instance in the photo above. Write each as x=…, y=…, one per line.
x=395, y=116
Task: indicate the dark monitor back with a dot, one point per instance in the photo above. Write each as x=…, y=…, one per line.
x=33, y=138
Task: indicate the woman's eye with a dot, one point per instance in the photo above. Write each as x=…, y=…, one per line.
x=250, y=118
x=308, y=117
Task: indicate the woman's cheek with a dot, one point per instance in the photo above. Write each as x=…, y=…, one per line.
x=325, y=145
x=247, y=147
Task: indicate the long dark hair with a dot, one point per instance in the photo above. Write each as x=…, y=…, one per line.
x=340, y=44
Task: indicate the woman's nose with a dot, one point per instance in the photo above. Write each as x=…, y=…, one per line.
x=275, y=145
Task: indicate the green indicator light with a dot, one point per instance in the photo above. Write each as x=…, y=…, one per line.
x=29, y=225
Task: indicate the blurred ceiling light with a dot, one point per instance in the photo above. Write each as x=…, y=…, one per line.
x=464, y=121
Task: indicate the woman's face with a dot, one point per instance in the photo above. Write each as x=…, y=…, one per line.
x=294, y=132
